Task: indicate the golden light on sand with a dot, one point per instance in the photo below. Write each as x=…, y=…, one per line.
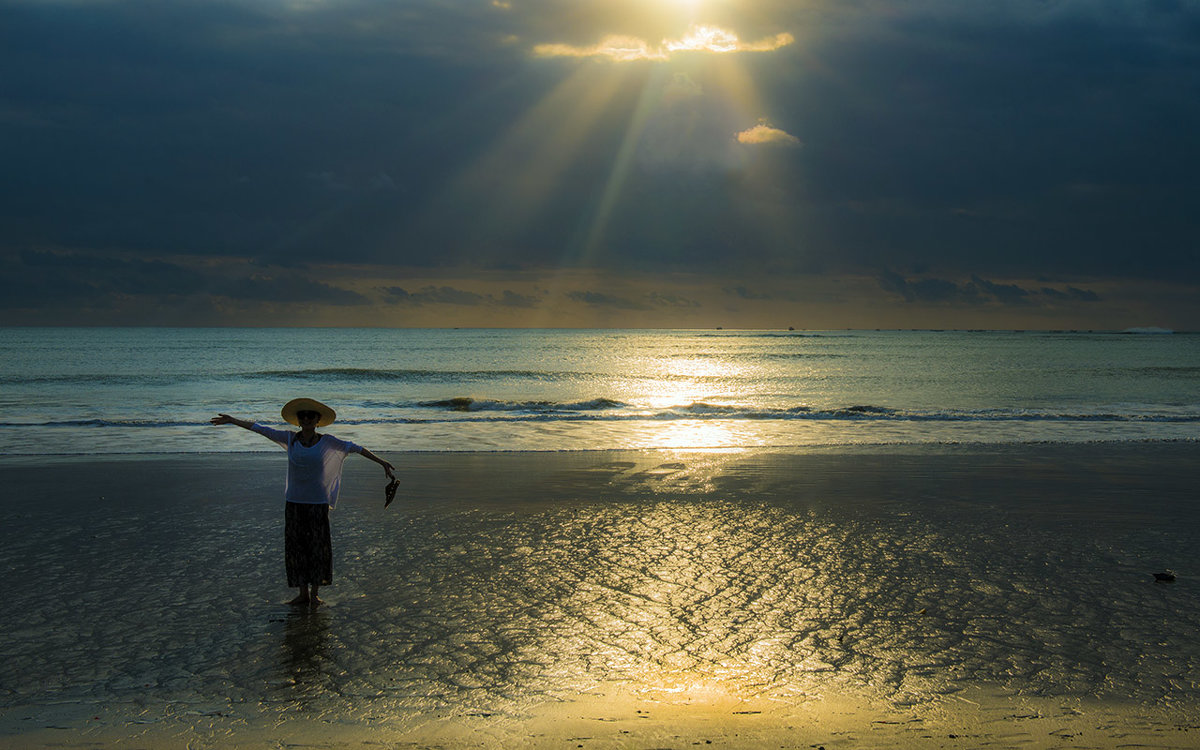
x=691, y=687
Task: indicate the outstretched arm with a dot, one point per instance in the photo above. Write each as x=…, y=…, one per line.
x=281, y=438
x=226, y=419
x=387, y=467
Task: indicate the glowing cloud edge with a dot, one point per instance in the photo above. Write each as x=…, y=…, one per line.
x=700, y=38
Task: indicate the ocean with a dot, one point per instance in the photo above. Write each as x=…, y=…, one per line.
x=82, y=391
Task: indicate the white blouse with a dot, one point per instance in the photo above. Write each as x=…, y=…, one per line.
x=314, y=472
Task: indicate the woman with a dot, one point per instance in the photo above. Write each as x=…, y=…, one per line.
x=313, y=481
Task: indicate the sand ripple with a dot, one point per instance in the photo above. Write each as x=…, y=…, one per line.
x=708, y=574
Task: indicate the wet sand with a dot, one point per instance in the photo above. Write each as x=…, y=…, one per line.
x=885, y=597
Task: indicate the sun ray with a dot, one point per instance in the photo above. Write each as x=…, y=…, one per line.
x=620, y=100
x=734, y=80
x=526, y=165
x=592, y=240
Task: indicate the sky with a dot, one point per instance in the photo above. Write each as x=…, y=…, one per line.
x=601, y=163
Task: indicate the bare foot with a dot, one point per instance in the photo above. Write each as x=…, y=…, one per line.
x=315, y=602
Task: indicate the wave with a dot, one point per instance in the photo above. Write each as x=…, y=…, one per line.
x=468, y=404
x=365, y=374
x=462, y=410
x=105, y=423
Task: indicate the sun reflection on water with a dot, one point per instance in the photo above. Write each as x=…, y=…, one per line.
x=692, y=384
x=695, y=433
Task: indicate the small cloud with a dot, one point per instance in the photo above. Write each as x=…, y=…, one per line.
x=1072, y=293
x=699, y=38
x=511, y=299
x=705, y=38
x=617, y=47
x=744, y=293
x=765, y=135
x=671, y=300
x=1008, y=294
x=434, y=295
x=890, y=281
x=502, y=4
x=600, y=299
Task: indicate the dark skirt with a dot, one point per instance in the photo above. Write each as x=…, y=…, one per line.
x=307, y=547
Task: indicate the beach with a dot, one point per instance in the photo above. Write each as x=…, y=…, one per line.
x=891, y=596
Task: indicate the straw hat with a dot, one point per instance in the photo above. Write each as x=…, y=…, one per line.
x=307, y=404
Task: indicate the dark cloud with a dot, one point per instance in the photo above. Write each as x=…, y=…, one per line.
x=447, y=295
x=435, y=295
x=56, y=279
x=975, y=291
x=1084, y=295
x=647, y=301
x=289, y=288
x=922, y=290
x=671, y=300
x=1008, y=294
